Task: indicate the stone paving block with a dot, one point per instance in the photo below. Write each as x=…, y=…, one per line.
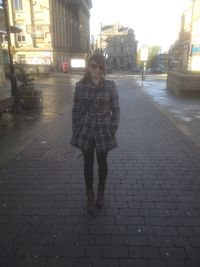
x=62, y=229
x=70, y=251
x=155, y=221
x=193, y=253
x=176, y=263
x=106, y=263
x=93, y=251
x=165, y=230
x=150, y=252
x=115, y=252
x=181, y=240
x=173, y=253
x=41, y=262
x=137, y=220
x=157, y=263
x=117, y=239
x=128, y=212
x=10, y=262
x=135, y=252
x=194, y=241
x=192, y=263
x=82, y=262
x=107, y=240
x=133, y=262
x=140, y=230
x=135, y=240
x=161, y=241
x=61, y=262
x=114, y=229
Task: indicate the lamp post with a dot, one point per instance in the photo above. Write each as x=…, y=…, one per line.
x=143, y=58
x=13, y=80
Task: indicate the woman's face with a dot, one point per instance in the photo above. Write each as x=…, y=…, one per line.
x=96, y=70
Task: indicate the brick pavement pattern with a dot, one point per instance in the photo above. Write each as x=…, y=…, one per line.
x=152, y=208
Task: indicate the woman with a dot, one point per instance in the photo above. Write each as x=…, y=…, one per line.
x=95, y=117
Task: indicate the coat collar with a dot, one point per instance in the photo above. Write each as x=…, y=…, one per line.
x=101, y=83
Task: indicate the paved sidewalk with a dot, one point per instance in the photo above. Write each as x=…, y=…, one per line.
x=182, y=109
x=152, y=210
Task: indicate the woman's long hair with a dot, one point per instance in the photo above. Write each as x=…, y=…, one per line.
x=100, y=60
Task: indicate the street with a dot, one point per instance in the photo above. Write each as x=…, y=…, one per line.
x=151, y=215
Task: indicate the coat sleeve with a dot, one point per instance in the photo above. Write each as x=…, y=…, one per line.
x=115, y=109
x=76, y=109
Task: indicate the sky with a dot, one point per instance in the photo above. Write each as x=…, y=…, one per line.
x=155, y=22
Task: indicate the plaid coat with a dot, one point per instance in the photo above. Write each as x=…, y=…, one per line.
x=100, y=121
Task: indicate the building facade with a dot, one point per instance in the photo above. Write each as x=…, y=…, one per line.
x=194, y=55
x=119, y=46
x=2, y=32
x=185, y=53
x=53, y=32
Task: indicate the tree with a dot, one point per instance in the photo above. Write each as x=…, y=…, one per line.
x=153, y=52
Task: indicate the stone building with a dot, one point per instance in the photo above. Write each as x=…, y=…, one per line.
x=119, y=45
x=6, y=100
x=185, y=53
x=194, y=55
x=185, y=74
x=2, y=32
x=53, y=32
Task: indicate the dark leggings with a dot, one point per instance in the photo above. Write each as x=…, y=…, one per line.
x=89, y=163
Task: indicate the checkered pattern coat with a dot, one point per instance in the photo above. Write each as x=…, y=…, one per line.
x=100, y=122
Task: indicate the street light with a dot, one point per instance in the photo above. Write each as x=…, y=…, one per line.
x=143, y=58
x=13, y=80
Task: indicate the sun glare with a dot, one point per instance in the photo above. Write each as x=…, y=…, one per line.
x=155, y=22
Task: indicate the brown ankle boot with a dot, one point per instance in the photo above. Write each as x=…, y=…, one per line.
x=100, y=197
x=90, y=201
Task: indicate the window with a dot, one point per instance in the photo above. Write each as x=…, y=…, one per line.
x=20, y=36
x=17, y=4
x=5, y=38
x=39, y=31
x=21, y=59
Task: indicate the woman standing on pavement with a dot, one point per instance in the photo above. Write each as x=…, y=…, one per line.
x=95, y=118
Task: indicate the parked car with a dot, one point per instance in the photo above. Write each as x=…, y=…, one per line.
x=157, y=70
x=136, y=69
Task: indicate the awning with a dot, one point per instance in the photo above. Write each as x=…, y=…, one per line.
x=2, y=32
x=14, y=29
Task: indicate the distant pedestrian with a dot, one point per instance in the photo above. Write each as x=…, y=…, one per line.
x=95, y=118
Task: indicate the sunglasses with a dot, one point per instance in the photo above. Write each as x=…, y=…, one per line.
x=94, y=66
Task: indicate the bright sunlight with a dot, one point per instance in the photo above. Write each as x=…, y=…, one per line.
x=155, y=22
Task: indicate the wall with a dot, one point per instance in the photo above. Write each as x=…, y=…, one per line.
x=182, y=82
